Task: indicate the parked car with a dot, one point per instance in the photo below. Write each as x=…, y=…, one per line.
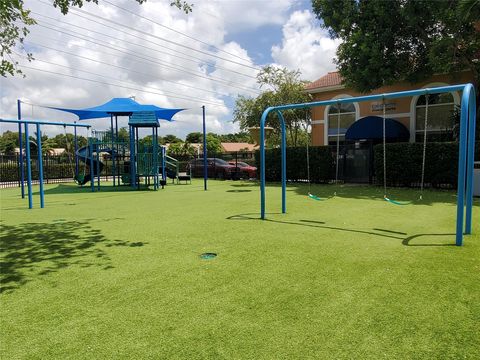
x=216, y=168
x=244, y=170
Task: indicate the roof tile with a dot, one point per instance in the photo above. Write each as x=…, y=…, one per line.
x=330, y=79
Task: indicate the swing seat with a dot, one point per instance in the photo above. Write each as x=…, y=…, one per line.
x=80, y=179
x=391, y=201
x=315, y=197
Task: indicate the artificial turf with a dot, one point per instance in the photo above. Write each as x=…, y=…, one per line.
x=118, y=275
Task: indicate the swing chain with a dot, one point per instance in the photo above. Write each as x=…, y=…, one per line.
x=67, y=144
x=338, y=147
x=424, y=146
x=307, y=123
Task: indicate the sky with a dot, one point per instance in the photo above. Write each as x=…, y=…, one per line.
x=162, y=56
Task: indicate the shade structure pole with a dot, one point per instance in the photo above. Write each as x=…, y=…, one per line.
x=136, y=153
x=20, y=145
x=40, y=166
x=132, y=156
x=164, y=163
x=116, y=160
x=92, y=176
x=154, y=159
x=75, y=146
x=205, y=168
x=97, y=151
x=113, y=152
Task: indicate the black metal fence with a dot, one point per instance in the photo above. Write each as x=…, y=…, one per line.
x=56, y=169
x=355, y=165
x=61, y=168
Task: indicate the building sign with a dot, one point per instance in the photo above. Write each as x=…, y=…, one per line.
x=379, y=106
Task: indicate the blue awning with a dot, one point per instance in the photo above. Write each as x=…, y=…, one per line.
x=120, y=107
x=371, y=128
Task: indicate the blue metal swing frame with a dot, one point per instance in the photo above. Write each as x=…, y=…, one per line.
x=466, y=147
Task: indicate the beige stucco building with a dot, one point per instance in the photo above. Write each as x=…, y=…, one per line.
x=409, y=110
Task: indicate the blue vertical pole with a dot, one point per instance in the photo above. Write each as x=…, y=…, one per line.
x=111, y=143
x=92, y=176
x=29, y=169
x=116, y=163
x=20, y=145
x=136, y=154
x=462, y=159
x=164, y=163
x=470, y=158
x=40, y=165
x=75, y=148
x=284, y=162
x=205, y=169
x=155, y=157
x=97, y=148
x=132, y=158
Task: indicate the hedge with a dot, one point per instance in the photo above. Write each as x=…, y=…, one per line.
x=404, y=164
x=321, y=164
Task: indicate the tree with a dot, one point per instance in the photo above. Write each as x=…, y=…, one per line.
x=180, y=149
x=238, y=137
x=123, y=135
x=170, y=139
x=194, y=137
x=387, y=41
x=8, y=142
x=214, y=145
x=68, y=142
x=15, y=19
x=285, y=87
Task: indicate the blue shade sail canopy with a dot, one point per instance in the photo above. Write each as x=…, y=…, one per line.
x=371, y=128
x=120, y=107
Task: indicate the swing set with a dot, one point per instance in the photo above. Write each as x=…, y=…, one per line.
x=465, y=159
x=78, y=177
x=384, y=141
x=24, y=125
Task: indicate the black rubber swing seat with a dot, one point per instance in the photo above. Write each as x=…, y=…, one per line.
x=81, y=179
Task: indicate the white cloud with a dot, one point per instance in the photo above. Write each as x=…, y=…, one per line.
x=305, y=46
x=142, y=62
x=238, y=16
x=147, y=63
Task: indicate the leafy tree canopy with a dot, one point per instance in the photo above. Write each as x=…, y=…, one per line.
x=15, y=20
x=283, y=87
x=194, y=137
x=169, y=139
x=387, y=41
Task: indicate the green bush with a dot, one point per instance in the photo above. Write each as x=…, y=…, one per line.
x=321, y=164
x=404, y=164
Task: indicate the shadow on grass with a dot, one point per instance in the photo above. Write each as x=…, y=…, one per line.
x=34, y=249
x=372, y=192
x=407, y=240
x=385, y=233
x=309, y=223
x=72, y=189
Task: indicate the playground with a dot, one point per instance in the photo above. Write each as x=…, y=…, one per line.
x=119, y=274
x=224, y=270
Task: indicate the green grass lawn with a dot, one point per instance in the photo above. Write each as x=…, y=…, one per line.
x=117, y=275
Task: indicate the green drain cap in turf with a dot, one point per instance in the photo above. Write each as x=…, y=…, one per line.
x=208, y=256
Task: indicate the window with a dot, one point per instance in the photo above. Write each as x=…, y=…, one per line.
x=440, y=122
x=347, y=117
